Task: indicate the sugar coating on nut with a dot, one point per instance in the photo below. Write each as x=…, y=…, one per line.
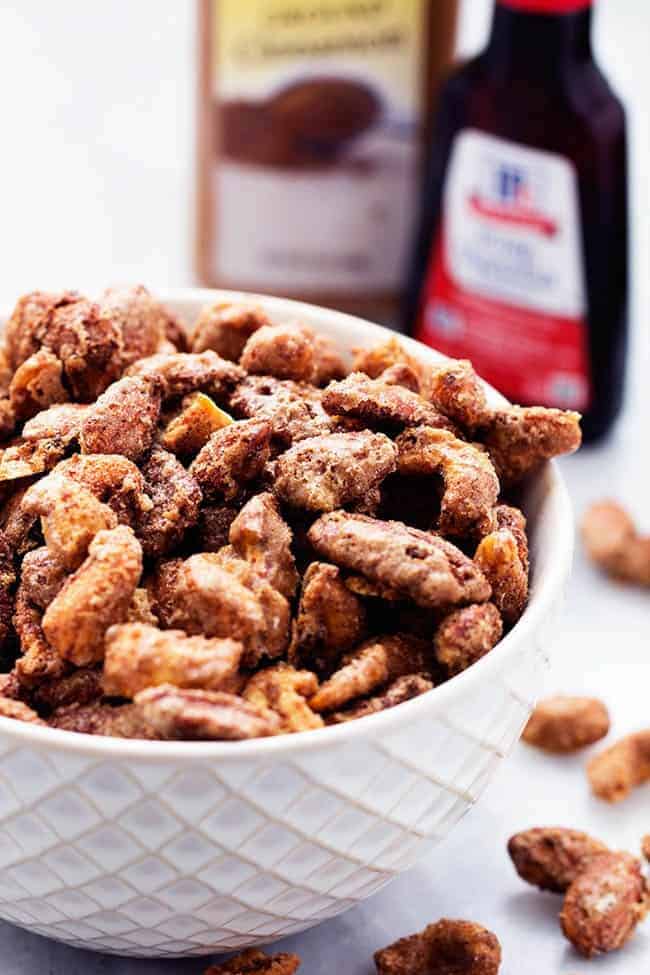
x=330, y=619
x=175, y=503
x=197, y=714
x=192, y=427
x=231, y=458
x=123, y=420
x=293, y=410
x=29, y=458
x=182, y=373
x=261, y=537
x=619, y=769
x=285, y=690
x=283, y=351
x=402, y=689
x=566, y=724
x=520, y=438
x=612, y=542
x=551, y=857
x=388, y=357
x=502, y=557
x=61, y=422
x=380, y=404
x=255, y=962
x=466, y=635
x=37, y=384
x=444, y=948
x=456, y=390
x=225, y=328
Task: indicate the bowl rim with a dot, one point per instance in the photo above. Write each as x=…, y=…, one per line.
x=548, y=588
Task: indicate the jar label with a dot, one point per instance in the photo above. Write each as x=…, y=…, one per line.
x=318, y=107
x=505, y=286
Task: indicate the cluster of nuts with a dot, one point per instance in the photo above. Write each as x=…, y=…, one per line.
x=225, y=533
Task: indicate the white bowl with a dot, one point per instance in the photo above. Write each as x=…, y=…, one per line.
x=181, y=848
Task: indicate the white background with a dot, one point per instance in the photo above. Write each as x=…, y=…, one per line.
x=96, y=166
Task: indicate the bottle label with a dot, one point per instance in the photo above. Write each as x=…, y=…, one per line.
x=505, y=287
x=318, y=113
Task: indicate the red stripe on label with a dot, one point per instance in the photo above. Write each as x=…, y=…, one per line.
x=513, y=215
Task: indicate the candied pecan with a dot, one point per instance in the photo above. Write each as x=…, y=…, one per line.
x=214, y=526
x=254, y=962
x=61, y=422
x=30, y=457
x=551, y=857
x=123, y=420
x=195, y=714
x=378, y=403
x=37, y=384
x=96, y=596
x=378, y=661
x=41, y=577
x=327, y=472
x=189, y=372
x=520, y=438
x=39, y=661
x=262, y=538
x=402, y=689
x=176, y=499
x=71, y=516
x=329, y=621
x=113, y=479
x=444, y=948
x=615, y=772
x=231, y=458
x=140, y=656
x=466, y=635
x=294, y=410
x=471, y=487
x=456, y=391
x=285, y=690
x=125, y=721
x=29, y=321
x=283, y=351
x=142, y=321
x=389, y=355
x=89, y=346
x=502, y=557
x=191, y=429
x=429, y=569
x=372, y=590
x=18, y=711
x=604, y=904
x=82, y=686
x=225, y=328
x=614, y=545
x=566, y=724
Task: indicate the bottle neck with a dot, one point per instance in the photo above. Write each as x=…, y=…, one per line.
x=526, y=42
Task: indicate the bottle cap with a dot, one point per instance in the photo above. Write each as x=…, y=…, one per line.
x=547, y=6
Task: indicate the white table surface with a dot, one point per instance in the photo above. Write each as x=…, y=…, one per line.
x=95, y=188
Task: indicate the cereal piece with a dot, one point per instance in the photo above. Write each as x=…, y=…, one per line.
x=285, y=690
x=29, y=458
x=203, y=715
x=176, y=499
x=96, y=596
x=444, y=948
x=294, y=410
x=378, y=661
x=283, y=351
x=225, y=328
x=402, y=689
x=84, y=685
x=141, y=320
x=551, y=857
x=612, y=542
x=615, y=772
x=566, y=724
x=231, y=458
x=41, y=577
x=329, y=621
x=39, y=661
x=140, y=656
x=378, y=403
x=604, y=904
x=401, y=375
x=89, y=346
x=457, y=392
x=71, y=516
x=18, y=711
x=466, y=635
x=327, y=472
x=36, y=385
x=214, y=526
x=113, y=479
x=428, y=569
x=391, y=355
x=29, y=321
x=125, y=721
x=471, y=487
x=123, y=420
x=191, y=429
x=502, y=557
x=520, y=438
x=260, y=536
x=254, y=962
x=61, y=422
x=182, y=373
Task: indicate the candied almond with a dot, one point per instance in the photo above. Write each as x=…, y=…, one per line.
x=502, y=557
x=36, y=385
x=41, y=577
x=285, y=690
x=255, y=962
x=619, y=769
x=566, y=724
x=613, y=544
x=231, y=458
x=225, y=328
x=88, y=344
x=142, y=321
x=204, y=715
x=330, y=619
x=283, y=351
x=444, y=948
x=456, y=391
x=262, y=538
x=123, y=419
x=520, y=438
x=29, y=321
x=140, y=656
x=466, y=635
x=551, y=857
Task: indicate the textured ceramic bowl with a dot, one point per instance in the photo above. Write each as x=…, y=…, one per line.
x=156, y=848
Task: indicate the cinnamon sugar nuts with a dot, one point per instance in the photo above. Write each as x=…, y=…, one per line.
x=225, y=534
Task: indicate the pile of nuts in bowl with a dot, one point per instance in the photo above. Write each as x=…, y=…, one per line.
x=224, y=533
